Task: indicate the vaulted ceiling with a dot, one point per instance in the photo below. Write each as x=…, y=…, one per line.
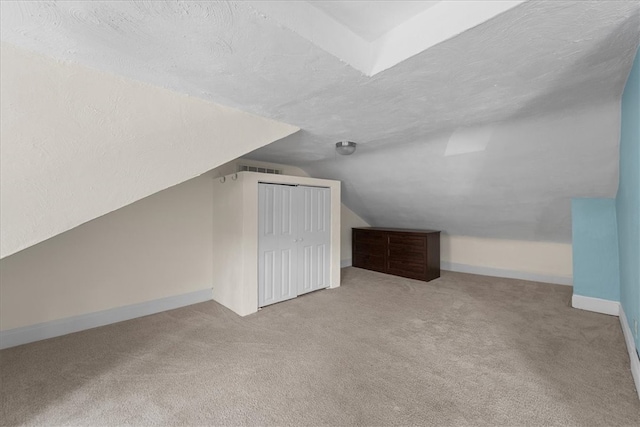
x=486, y=132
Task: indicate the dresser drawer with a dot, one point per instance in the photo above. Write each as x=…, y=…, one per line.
x=373, y=248
x=369, y=246
x=413, y=270
x=372, y=237
x=407, y=249
x=400, y=253
x=408, y=243
x=369, y=261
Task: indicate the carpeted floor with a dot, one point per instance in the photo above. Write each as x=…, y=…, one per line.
x=380, y=350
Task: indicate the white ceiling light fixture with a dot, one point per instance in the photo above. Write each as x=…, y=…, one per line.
x=345, y=147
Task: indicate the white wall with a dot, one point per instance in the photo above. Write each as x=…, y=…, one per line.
x=228, y=244
x=78, y=143
x=540, y=261
x=349, y=219
x=158, y=247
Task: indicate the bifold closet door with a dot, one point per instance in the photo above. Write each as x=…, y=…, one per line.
x=277, y=243
x=294, y=241
x=314, y=225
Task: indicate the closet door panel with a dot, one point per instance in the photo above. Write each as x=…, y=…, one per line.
x=314, y=238
x=277, y=251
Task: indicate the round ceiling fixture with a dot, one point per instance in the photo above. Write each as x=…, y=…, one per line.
x=345, y=147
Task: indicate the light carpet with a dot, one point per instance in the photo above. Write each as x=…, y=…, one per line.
x=380, y=350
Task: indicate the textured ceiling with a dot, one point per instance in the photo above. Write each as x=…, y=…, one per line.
x=540, y=84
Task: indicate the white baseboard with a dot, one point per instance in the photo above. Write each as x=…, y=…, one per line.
x=613, y=308
x=55, y=328
x=345, y=263
x=509, y=274
x=596, y=305
x=631, y=347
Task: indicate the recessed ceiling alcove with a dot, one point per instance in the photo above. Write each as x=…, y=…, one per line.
x=374, y=36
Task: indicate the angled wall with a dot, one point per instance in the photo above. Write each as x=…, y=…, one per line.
x=628, y=201
x=77, y=143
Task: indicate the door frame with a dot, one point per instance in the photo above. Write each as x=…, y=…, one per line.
x=298, y=198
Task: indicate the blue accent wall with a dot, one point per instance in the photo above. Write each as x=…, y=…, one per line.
x=596, y=271
x=628, y=199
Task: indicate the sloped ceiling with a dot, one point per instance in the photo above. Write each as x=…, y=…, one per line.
x=489, y=133
x=77, y=143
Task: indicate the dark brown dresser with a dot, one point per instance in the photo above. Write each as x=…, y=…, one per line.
x=408, y=253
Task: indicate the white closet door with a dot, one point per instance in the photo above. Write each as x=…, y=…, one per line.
x=314, y=238
x=277, y=246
